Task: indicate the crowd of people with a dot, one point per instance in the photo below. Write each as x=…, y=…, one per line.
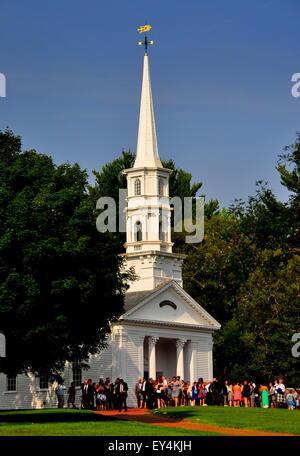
x=164, y=392
x=103, y=395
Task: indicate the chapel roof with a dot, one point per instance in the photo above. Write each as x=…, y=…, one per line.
x=133, y=298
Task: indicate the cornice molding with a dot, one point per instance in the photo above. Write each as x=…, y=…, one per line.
x=147, y=168
x=175, y=256
x=166, y=324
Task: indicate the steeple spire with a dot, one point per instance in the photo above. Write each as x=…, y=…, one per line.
x=147, y=151
x=148, y=213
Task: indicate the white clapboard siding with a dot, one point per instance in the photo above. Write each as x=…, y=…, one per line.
x=100, y=366
x=132, y=346
x=202, y=360
x=28, y=395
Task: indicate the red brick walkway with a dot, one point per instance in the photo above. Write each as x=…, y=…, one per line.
x=144, y=416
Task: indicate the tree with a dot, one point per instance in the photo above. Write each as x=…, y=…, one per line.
x=256, y=342
x=110, y=179
x=291, y=179
x=60, y=279
x=215, y=268
x=248, y=258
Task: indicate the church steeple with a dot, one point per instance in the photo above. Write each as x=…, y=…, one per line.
x=147, y=151
x=148, y=239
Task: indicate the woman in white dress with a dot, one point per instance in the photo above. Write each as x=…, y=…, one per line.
x=230, y=396
x=176, y=387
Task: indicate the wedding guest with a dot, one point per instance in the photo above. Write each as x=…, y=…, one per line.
x=237, y=394
x=230, y=395
x=245, y=390
x=71, y=396
x=176, y=390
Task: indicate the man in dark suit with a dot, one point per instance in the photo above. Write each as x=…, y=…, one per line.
x=91, y=394
x=121, y=393
x=150, y=394
x=84, y=396
x=109, y=392
x=215, y=388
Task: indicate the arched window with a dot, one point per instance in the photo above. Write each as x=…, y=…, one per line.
x=138, y=232
x=161, y=187
x=168, y=303
x=137, y=187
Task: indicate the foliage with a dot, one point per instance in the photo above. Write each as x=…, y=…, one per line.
x=60, y=282
x=291, y=178
x=247, y=260
x=215, y=269
x=256, y=342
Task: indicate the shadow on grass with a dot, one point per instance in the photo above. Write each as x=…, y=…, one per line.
x=69, y=416
x=51, y=416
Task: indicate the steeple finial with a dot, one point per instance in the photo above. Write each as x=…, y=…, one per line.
x=146, y=42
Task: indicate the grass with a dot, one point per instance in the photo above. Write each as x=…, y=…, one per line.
x=66, y=422
x=274, y=420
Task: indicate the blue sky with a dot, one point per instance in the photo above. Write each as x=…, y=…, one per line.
x=221, y=79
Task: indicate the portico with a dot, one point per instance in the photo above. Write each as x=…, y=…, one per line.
x=166, y=356
x=164, y=331
x=173, y=339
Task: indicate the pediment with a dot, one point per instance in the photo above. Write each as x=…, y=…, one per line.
x=168, y=304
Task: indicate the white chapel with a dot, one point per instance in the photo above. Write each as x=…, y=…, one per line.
x=163, y=330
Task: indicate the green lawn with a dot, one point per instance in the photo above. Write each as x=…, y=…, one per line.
x=79, y=423
x=275, y=420
x=67, y=422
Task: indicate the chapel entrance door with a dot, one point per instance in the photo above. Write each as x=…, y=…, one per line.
x=166, y=357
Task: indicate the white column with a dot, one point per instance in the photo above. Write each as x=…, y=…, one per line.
x=123, y=356
x=210, y=359
x=2, y=346
x=141, y=356
x=169, y=228
x=116, y=356
x=152, y=356
x=193, y=362
x=180, y=365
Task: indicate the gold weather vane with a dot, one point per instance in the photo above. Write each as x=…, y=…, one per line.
x=144, y=28
x=146, y=42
